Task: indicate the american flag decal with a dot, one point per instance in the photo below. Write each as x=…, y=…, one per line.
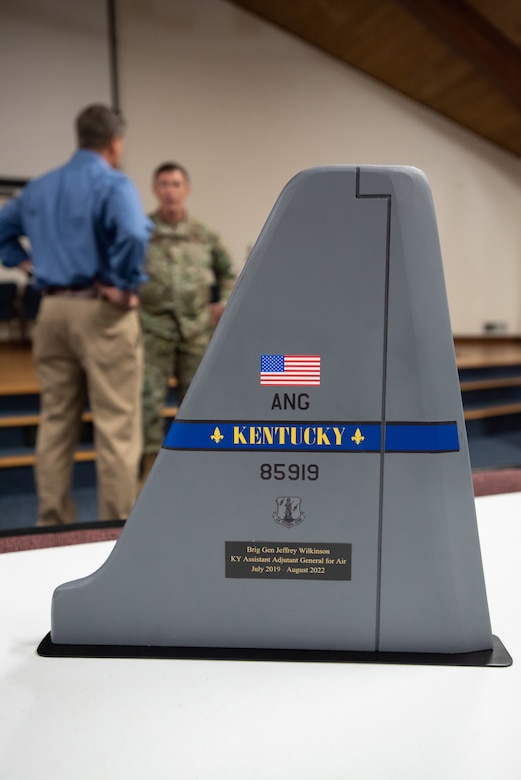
x=289, y=370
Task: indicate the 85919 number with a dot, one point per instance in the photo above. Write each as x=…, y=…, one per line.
x=293, y=471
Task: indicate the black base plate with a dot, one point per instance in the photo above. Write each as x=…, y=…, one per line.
x=496, y=656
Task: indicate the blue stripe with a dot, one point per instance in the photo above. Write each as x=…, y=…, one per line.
x=433, y=437
x=312, y=437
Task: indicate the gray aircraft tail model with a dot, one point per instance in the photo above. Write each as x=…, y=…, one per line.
x=313, y=496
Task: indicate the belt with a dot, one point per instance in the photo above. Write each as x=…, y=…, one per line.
x=72, y=292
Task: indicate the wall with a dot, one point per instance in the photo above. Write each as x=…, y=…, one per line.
x=245, y=106
x=53, y=62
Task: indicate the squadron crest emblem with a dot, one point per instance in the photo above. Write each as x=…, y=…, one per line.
x=289, y=511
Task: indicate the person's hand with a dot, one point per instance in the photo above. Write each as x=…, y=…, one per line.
x=27, y=266
x=216, y=309
x=124, y=298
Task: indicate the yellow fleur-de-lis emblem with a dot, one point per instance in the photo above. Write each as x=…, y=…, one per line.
x=217, y=435
x=357, y=438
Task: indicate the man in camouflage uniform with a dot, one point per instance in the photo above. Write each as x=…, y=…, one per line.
x=190, y=279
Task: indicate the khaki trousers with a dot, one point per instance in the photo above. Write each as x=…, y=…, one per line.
x=87, y=348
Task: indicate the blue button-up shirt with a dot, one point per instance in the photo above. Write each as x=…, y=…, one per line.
x=85, y=223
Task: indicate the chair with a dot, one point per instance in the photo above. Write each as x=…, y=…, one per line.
x=9, y=304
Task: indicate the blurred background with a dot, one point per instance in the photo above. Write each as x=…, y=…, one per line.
x=245, y=95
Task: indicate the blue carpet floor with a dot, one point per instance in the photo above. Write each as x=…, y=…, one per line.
x=19, y=511
x=494, y=452
x=18, y=504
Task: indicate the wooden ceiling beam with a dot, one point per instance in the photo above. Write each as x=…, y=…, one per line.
x=472, y=36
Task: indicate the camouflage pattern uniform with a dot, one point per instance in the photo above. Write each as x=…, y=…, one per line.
x=184, y=262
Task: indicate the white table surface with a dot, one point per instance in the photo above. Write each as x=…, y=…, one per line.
x=185, y=719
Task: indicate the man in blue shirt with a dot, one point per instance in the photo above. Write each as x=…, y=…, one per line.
x=88, y=236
